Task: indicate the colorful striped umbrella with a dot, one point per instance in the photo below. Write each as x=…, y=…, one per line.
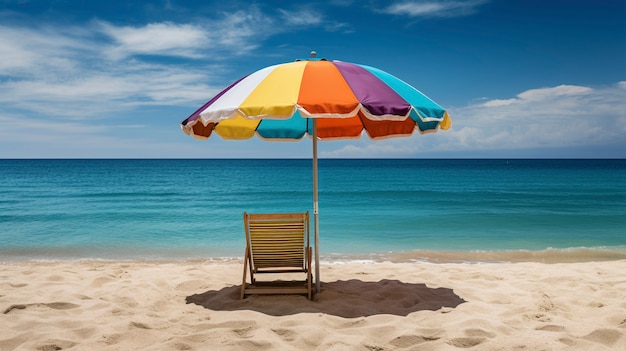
x=323, y=99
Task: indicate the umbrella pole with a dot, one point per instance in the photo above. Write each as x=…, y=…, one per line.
x=315, y=209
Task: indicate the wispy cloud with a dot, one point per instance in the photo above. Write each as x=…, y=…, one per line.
x=39, y=50
x=431, y=8
x=543, y=94
x=242, y=30
x=84, y=71
x=552, y=117
x=234, y=33
x=166, y=39
x=307, y=17
x=78, y=84
x=301, y=17
x=66, y=72
x=96, y=94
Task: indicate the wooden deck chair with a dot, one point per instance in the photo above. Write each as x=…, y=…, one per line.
x=277, y=243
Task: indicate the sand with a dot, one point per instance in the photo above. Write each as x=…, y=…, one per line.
x=194, y=305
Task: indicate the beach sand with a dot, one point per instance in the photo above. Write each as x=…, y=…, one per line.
x=195, y=305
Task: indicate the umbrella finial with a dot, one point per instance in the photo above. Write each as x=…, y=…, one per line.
x=313, y=54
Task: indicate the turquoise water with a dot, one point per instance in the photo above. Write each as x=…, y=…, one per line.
x=171, y=209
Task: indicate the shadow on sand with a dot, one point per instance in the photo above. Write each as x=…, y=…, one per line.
x=348, y=299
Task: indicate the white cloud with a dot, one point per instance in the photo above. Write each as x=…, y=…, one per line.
x=40, y=52
x=91, y=70
x=541, y=94
x=366, y=148
x=167, y=39
x=554, y=92
x=431, y=8
x=235, y=33
x=302, y=17
x=41, y=137
x=89, y=84
x=559, y=117
x=64, y=72
x=96, y=94
x=14, y=55
x=306, y=17
x=241, y=31
x=498, y=102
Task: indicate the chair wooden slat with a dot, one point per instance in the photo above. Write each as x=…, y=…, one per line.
x=276, y=243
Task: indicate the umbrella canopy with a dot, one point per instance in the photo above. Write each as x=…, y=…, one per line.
x=323, y=99
x=278, y=102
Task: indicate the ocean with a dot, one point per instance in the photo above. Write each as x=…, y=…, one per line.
x=369, y=209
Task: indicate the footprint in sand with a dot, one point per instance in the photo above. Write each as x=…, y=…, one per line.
x=19, y=285
x=182, y=346
x=139, y=325
x=251, y=345
x=540, y=317
x=551, y=328
x=112, y=339
x=410, y=340
x=474, y=337
x=100, y=281
x=243, y=333
x=56, y=278
x=55, y=345
x=53, y=305
x=479, y=333
x=606, y=337
x=466, y=342
x=286, y=334
x=192, y=285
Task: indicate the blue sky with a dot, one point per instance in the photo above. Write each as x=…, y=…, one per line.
x=113, y=79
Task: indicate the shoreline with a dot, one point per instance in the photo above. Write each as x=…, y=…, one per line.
x=195, y=305
x=549, y=255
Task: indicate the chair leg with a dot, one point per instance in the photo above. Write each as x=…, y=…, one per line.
x=250, y=270
x=309, y=280
x=245, y=271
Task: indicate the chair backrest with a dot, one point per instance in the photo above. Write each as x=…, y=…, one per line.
x=277, y=240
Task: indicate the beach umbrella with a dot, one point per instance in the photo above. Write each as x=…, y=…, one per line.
x=319, y=98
